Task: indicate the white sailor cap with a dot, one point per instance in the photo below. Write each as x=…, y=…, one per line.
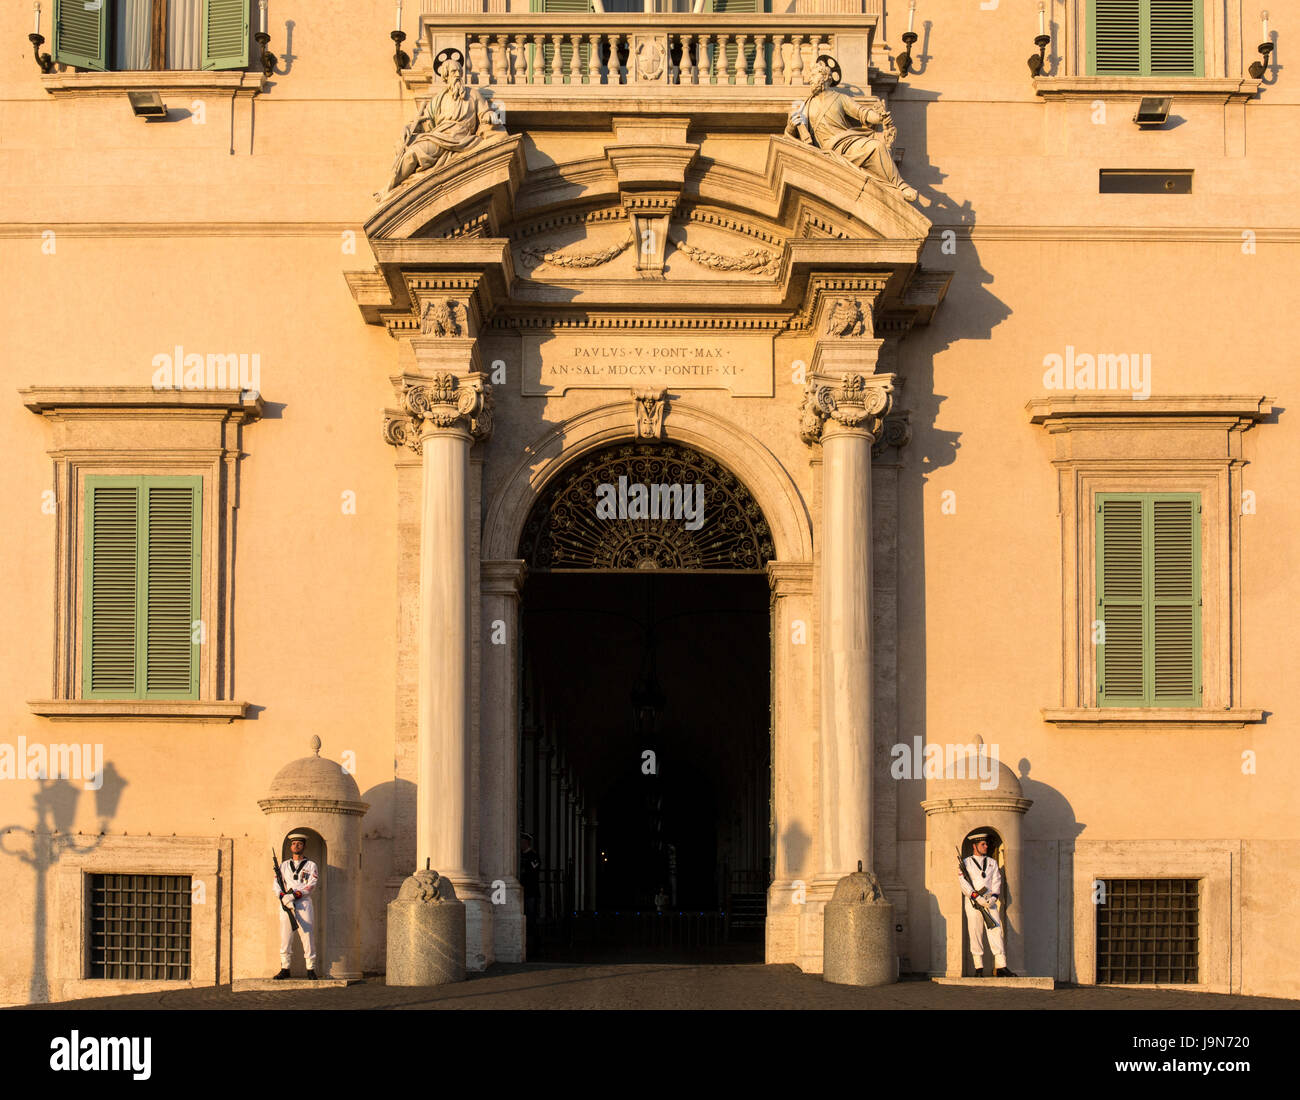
x=299, y=836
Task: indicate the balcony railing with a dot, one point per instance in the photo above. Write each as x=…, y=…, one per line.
x=647, y=50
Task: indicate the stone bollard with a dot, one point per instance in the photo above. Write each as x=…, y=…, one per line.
x=426, y=933
x=859, y=947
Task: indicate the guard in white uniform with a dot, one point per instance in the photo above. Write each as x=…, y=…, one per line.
x=983, y=891
x=300, y=877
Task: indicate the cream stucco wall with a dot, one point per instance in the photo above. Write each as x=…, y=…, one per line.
x=233, y=235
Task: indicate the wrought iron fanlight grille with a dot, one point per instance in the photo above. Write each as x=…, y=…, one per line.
x=632, y=507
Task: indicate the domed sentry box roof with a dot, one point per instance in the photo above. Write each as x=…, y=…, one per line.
x=978, y=777
x=314, y=782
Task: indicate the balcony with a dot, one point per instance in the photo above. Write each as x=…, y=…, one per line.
x=601, y=63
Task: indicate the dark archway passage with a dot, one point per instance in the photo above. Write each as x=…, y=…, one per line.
x=645, y=749
x=646, y=696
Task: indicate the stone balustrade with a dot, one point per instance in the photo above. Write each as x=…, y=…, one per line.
x=601, y=51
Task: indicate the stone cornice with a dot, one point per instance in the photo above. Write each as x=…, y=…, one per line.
x=307, y=804
x=1004, y=802
x=141, y=710
x=1060, y=411
x=790, y=578
x=71, y=85
x=503, y=577
x=103, y=401
x=1220, y=89
x=1100, y=718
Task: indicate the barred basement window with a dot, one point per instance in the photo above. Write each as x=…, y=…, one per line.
x=140, y=927
x=1148, y=931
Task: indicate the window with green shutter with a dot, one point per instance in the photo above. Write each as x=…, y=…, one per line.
x=1149, y=599
x=140, y=588
x=1145, y=38
x=142, y=35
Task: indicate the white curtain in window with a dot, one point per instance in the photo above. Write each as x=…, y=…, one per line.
x=133, y=21
x=184, y=18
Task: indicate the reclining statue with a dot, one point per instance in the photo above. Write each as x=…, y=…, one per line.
x=454, y=120
x=839, y=124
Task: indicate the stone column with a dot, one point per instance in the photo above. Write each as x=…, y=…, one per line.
x=842, y=411
x=794, y=789
x=443, y=417
x=500, y=582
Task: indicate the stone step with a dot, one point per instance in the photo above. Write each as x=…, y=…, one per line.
x=1000, y=983
x=270, y=985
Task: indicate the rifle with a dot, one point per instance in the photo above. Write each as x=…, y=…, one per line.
x=989, y=920
x=279, y=879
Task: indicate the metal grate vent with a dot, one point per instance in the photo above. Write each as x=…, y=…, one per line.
x=1148, y=931
x=140, y=927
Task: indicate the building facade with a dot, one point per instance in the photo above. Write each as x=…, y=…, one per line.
x=726, y=444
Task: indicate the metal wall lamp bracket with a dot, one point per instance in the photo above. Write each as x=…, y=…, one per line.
x=1038, y=61
x=44, y=60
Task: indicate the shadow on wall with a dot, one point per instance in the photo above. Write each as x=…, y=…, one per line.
x=798, y=848
x=970, y=311
x=1052, y=821
x=55, y=806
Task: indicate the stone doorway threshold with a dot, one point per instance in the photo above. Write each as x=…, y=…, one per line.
x=1000, y=983
x=270, y=985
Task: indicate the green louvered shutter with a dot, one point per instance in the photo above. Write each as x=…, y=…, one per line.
x=725, y=64
x=1145, y=38
x=81, y=34
x=1175, y=38
x=1176, y=600
x=1114, y=37
x=1120, y=601
x=141, y=585
x=110, y=581
x=224, y=42
x=1149, y=600
x=172, y=590
x=558, y=7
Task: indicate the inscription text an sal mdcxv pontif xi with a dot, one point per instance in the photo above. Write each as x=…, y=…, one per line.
x=556, y=362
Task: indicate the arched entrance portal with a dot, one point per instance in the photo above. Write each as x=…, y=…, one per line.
x=645, y=750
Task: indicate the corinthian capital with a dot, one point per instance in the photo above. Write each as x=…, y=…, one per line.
x=852, y=401
x=444, y=403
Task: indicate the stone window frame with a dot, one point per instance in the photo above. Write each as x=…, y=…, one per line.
x=189, y=432
x=1209, y=861
x=206, y=860
x=1117, y=444
x=1224, y=46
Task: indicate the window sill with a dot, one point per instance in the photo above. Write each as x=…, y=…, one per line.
x=1221, y=89
x=140, y=710
x=73, y=85
x=1164, y=717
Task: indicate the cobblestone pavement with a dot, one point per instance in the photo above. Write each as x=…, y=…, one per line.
x=541, y=985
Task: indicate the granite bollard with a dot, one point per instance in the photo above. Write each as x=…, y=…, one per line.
x=426, y=933
x=859, y=946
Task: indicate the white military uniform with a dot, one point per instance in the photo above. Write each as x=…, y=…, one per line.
x=983, y=871
x=302, y=877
